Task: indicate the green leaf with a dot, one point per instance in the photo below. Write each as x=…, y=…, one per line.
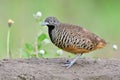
x=33, y=55
x=41, y=37
x=24, y=54
x=39, y=46
x=29, y=47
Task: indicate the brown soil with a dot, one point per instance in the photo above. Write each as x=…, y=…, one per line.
x=52, y=69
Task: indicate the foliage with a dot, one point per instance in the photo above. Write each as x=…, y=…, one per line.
x=29, y=49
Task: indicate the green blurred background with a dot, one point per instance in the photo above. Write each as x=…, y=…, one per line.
x=99, y=16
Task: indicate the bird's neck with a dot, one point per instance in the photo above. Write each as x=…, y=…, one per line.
x=50, y=28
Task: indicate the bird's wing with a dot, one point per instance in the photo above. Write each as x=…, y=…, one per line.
x=83, y=38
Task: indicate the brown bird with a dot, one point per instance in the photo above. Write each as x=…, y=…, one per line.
x=72, y=38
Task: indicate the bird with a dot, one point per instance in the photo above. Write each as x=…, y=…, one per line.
x=72, y=38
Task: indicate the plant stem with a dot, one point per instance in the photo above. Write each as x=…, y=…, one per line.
x=8, y=43
x=36, y=47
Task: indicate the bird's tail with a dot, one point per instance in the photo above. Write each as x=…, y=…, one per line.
x=101, y=44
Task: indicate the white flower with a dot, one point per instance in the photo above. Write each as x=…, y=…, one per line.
x=42, y=52
x=46, y=41
x=115, y=47
x=10, y=22
x=37, y=15
x=59, y=52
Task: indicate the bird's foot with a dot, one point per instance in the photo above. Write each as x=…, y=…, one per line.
x=68, y=64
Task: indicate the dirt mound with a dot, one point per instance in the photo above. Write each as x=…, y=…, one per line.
x=52, y=69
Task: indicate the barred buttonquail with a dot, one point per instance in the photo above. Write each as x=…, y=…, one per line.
x=72, y=38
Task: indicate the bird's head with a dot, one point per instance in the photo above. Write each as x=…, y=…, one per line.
x=50, y=21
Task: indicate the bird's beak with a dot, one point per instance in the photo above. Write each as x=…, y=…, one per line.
x=44, y=24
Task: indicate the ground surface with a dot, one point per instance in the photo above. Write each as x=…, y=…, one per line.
x=52, y=69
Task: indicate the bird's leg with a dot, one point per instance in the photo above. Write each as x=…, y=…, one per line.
x=69, y=64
